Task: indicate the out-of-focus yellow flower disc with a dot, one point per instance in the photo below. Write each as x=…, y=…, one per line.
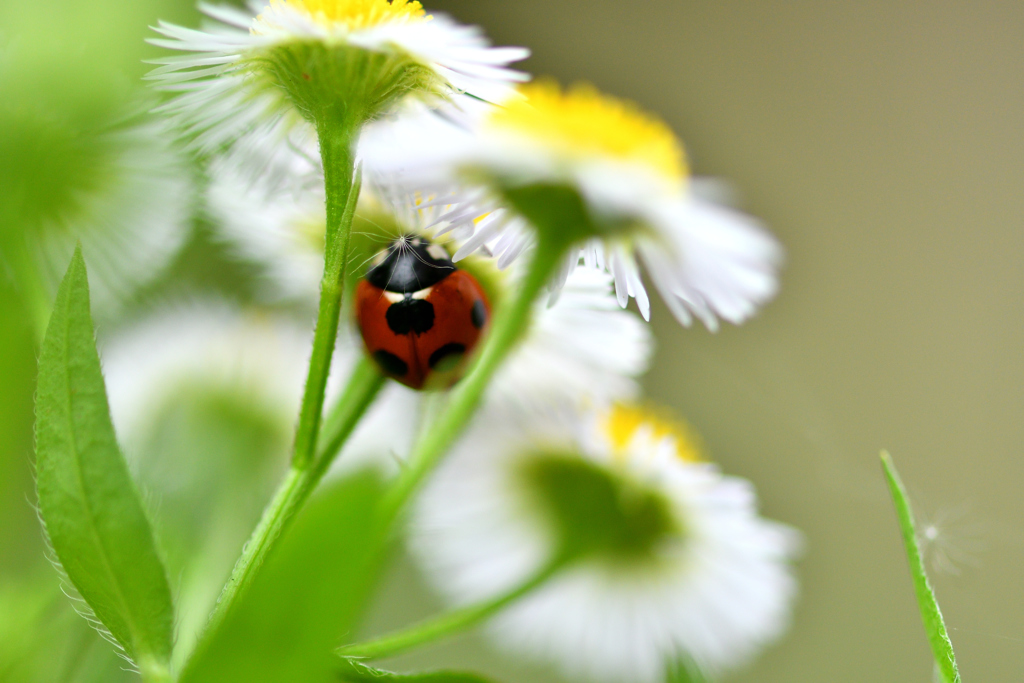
x=581, y=121
x=623, y=422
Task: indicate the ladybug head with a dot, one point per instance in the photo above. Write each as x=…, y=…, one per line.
x=409, y=264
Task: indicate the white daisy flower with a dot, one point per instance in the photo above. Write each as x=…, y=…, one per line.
x=666, y=558
x=328, y=62
x=213, y=348
x=590, y=170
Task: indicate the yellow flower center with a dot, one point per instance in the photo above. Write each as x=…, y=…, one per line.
x=582, y=122
x=355, y=14
x=624, y=421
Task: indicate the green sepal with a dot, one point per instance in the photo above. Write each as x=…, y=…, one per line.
x=931, y=615
x=353, y=671
x=305, y=597
x=560, y=214
x=343, y=85
x=88, y=502
x=597, y=512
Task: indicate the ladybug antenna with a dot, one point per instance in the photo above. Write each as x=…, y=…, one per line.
x=359, y=267
x=402, y=244
x=419, y=257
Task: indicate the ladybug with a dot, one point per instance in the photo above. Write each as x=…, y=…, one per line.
x=419, y=314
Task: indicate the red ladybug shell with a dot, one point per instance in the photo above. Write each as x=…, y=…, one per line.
x=419, y=315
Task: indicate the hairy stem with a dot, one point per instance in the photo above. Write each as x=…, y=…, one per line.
x=509, y=324
x=341, y=183
x=445, y=624
x=363, y=387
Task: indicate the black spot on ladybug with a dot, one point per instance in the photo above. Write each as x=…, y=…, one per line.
x=446, y=351
x=410, y=315
x=390, y=363
x=479, y=314
x=408, y=266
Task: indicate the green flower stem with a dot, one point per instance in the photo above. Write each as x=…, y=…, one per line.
x=684, y=670
x=446, y=624
x=509, y=324
x=282, y=507
x=341, y=183
x=931, y=615
x=363, y=386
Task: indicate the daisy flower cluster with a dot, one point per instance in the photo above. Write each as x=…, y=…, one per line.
x=556, y=202
x=476, y=250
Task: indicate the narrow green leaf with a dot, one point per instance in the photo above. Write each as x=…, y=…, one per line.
x=942, y=648
x=87, y=499
x=353, y=671
x=304, y=600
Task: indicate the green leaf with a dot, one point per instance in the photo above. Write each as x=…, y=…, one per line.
x=87, y=499
x=304, y=600
x=942, y=648
x=352, y=671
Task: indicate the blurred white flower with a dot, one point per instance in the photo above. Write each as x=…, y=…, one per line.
x=620, y=171
x=668, y=557
x=132, y=214
x=209, y=346
x=277, y=222
x=269, y=68
x=582, y=350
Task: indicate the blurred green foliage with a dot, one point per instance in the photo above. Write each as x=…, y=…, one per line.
x=19, y=538
x=306, y=598
x=69, y=72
